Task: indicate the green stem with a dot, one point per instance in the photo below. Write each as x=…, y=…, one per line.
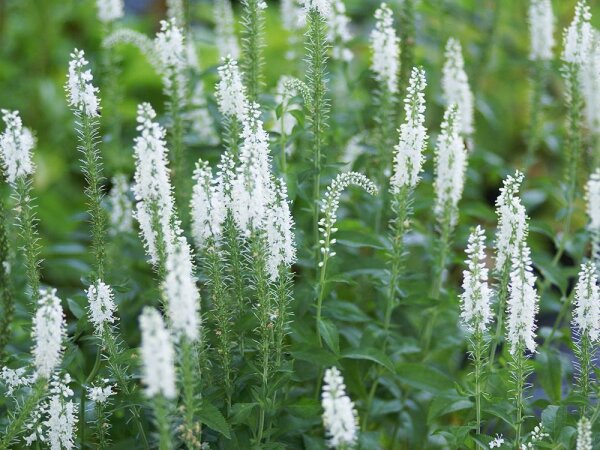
x=442, y=253
x=478, y=352
x=585, y=354
x=7, y=299
x=15, y=426
x=252, y=45
x=502, y=297
x=189, y=380
x=163, y=423
x=178, y=174
x=519, y=375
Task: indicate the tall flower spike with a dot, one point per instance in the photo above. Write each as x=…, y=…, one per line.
x=253, y=187
x=109, y=10
x=172, y=54
x=81, y=93
x=385, y=46
x=586, y=317
x=225, y=37
x=476, y=312
x=49, y=330
x=408, y=157
x=339, y=414
x=455, y=85
x=584, y=434
x=231, y=93
x=152, y=186
x=279, y=226
x=338, y=31
x=101, y=305
x=323, y=7
x=181, y=292
x=511, y=220
x=158, y=356
x=121, y=206
x=523, y=301
x=16, y=143
x=577, y=39
x=207, y=206
x=450, y=166
x=541, y=30
x=590, y=85
x=593, y=210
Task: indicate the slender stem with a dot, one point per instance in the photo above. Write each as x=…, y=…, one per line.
x=443, y=250
x=7, y=299
x=519, y=374
x=176, y=131
x=163, y=423
x=189, y=380
x=502, y=297
x=478, y=355
x=585, y=354
x=252, y=45
x=15, y=426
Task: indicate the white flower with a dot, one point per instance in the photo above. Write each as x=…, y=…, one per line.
x=49, y=330
x=100, y=394
x=279, y=226
x=181, y=292
x=293, y=16
x=455, y=85
x=589, y=76
x=323, y=7
x=584, y=434
x=225, y=37
x=158, y=356
x=577, y=39
x=586, y=317
x=231, y=93
x=476, y=312
x=109, y=10
x=253, y=186
x=593, y=200
x=152, y=186
x=385, y=46
x=208, y=209
x=172, y=53
x=450, y=167
x=497, y=442
x=121, y=206
x=61, y=416
x=511, y=220
x=523, y=301
x=408, y=158
x=541, y=30
x=338, y=31
x=16, y=143
x=101, y=305
x=199, y=117
x=340, y=418
x=14, y=379
x=81, y=93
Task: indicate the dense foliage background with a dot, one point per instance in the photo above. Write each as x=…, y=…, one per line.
x=424, y=401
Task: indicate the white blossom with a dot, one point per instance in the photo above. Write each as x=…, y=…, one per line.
x=158, y=355
x=293, y=16
x=511, y=220
x=338, y=32
x=121, y=206
x=408, y=157
x=385, y=46
x=593, y=205
x=455, y=85
x=253, y=186
x=578, y=37
x=170, y=45
x=340, y=418
x=199, y=117
x=589, y=76
x=181, y=292
x=152, y=188
x=476, y=312
x=109, y=10
x=279, y=226
x=14, y=379
x=208, y=209
x=81, y=93
x=450, y=167
x=16, y=143
x=586, y=316
x=323, y=7
x=101, y=305
x=231, y=93
x=584, y=434
x=225, y=37
x=541, y=30
x=497, y=442
x=102, y=393
x=49, y=330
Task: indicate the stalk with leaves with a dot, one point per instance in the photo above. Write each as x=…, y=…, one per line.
x=253, y=23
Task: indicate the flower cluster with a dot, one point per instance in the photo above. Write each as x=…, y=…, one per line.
x=593, y=200
x=15, y=379
x=279, y=226
x=81, y=93
x=455, y=85
x=338, y=31
x=225, y=37
x=589, y=76
x=170, y=45
x=340, y=418
x=231, y=92
x=49, y=330
x=109, y=10
x=586, y=317
x=323, y=7
x=16, y=143
x=101, y=393
x=158, y=355
x=541, y=28
x=385, y=46
x=577, y=40
x=101, y=305
x=331, y=203
x=476, y=312
x=121, y=206
x=208, y=207
x=497, y=442
x=450, y=167
x=408, y=157
x=584, y=434
x=181, y=292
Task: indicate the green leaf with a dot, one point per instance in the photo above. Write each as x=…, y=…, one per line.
x=242, y=412
x=424, y=377
x=212, y=417
x=442, y=405
x=554, y=419
x=548, y=368
x=330, y=334
x=370, y=354
x=316, y=355
x=345, y=311
x=75, y=308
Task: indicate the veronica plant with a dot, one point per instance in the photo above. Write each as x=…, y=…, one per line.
x=252, y=45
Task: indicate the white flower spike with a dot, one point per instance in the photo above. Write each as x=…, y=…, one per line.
x=16, y=143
